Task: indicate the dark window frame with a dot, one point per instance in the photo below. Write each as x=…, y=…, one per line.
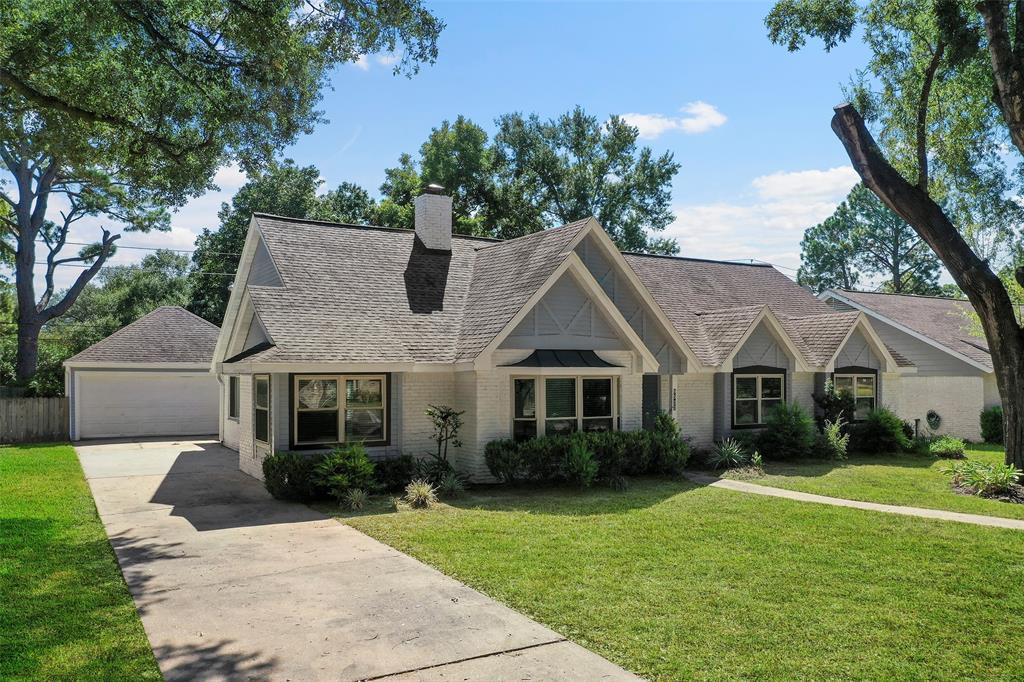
x=256, y=408
x=755, y=370
x=855, y=371
x=234, y=395
x=388, y=409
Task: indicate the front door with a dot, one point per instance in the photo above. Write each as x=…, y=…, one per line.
x=651, y=400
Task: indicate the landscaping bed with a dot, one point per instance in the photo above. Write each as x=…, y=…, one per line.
x=65, y=610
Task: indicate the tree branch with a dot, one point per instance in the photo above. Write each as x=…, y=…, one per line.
x=1006, y=67
x=922, y=116
x=61, y=307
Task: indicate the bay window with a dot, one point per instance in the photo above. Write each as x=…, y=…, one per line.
x=863, y=389
x=754, y=395
x=551, y=406
x=332, y=409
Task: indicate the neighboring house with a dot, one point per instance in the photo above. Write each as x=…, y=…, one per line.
x=150, y=378
x=953, y=375
x=341, y=332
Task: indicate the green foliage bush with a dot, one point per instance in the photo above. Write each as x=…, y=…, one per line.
x=580, y=467
x=982, y=478
x=880, y=432
x=504, y=460
x=947, y=447
x=355, y=499
x=788, y=434
x=832, y=441
x=615, y=453
x=420, y=494
x=290, y=476
x=992, y=424
x=728, y=454
x=342, y=469
x=394, y=473
x=451, y=485
x=834, y=405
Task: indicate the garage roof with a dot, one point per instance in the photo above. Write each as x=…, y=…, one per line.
x=168, y=334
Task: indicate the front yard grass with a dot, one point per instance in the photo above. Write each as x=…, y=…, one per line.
x=677, y=581
x=65, y=611
x=906, y=479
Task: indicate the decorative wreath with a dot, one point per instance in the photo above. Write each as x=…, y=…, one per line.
x=933, y=419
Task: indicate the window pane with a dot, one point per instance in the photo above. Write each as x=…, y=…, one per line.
x=771, y=387
x=318, y=394
x=766, y=407
x=865, y=387
x=746, y=411
x=560, y=397
x=844, y=384
x=526, y=397
x=364, y=392
x=862, y=407
x=597, y=397
x=261, y=419
x=559, y=427
x=233, y=397
x=597, y=425
x=746, y=387
x=317, y=427
x=524, y=430
x=364, y=425
x=262, y=392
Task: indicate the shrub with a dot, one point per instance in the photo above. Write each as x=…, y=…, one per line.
x=881, y=431
x=543, y=457
x=834, y=405
x=394, y=473
x=451, y=485
x=610, y=453
x=420, y=494
x=728, y=454
x=833, y=442
x=788, y=433
x=947, y=447
x=669, y=452
x=433, y=469
x=580, y=467
x=504, y=460
x=992, y=424
x=639, y=451
x=355, y=499
x=290, y=476
x=982, y=478
x=344, y=468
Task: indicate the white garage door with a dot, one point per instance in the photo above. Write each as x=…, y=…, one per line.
x=127, y=404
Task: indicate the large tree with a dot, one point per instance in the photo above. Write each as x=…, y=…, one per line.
x=536, y=174
x=939, y=135
x=118, y=110
x=282, y=189
x=864, y=236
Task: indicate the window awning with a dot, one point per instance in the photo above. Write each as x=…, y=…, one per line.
x=561, y=358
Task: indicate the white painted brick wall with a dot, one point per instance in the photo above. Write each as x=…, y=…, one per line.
x=802, y=390
x=631, y=395
x=230, y=425
x=420, y=389
x=695, y=407
x=247, y=460
x=991, y=391
x=958, y=400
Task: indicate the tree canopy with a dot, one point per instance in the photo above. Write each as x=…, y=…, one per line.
x=123, y=110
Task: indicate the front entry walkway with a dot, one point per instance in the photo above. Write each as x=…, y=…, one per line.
x=232, y=584
x=745, y=487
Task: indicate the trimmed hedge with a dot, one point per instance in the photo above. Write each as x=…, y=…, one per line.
x=617, y=453
x=290, y=476
x=789, y=433
x=992, y=424
x=880, y=432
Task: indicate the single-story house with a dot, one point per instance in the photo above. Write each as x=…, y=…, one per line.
x=149, y=378
x=337, y=332
x=953, y=378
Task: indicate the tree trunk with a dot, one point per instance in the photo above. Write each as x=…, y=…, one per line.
x=984, y=289
x=28, y=351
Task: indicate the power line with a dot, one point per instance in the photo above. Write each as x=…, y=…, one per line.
x=148, y=248
x=137, y=269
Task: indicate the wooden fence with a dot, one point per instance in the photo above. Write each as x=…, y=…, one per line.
x=33, y=420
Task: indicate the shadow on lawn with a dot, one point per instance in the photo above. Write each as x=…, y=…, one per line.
x=823, y=467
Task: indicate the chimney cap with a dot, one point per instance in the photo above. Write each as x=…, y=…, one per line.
x=433, y=188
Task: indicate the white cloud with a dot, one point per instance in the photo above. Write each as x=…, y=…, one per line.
x=769, y=227
x=389, y=59
x=699, y=117
x=362, y=63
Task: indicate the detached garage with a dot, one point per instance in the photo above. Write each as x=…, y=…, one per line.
x=151, y=378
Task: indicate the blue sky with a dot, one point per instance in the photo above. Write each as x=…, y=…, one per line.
x=748, y=121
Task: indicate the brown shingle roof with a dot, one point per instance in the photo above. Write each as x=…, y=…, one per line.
x=168, y=334
x=943, y=320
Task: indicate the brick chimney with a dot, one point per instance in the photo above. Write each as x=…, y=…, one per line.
x=433, y=211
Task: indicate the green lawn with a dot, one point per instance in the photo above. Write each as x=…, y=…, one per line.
x=677, y=581
x=65, y=612
x=911, y=480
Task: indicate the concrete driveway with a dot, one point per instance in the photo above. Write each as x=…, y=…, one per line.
x=232, y=584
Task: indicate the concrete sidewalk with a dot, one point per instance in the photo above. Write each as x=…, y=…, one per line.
x=232, y=584
x=960, y=517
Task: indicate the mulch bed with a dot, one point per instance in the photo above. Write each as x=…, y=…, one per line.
x=1014, y=495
